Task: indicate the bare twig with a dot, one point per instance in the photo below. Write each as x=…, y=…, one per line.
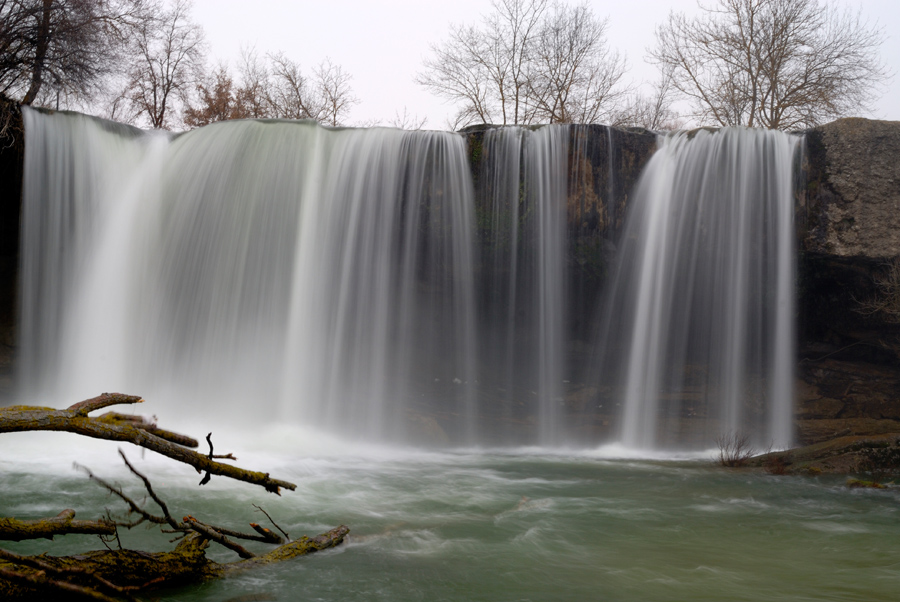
x=211, y=533
x=159, y=502
x=134, y=506
x=734, y=449
x=271, y=520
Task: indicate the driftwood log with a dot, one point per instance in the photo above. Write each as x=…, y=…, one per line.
x=119, y=574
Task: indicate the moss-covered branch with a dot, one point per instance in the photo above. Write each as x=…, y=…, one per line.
x=113, y=427
x=116, y=574
x=61, y=524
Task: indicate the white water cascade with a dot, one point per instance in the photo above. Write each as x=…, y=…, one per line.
x=369, y=282
x=263, y=270
x=700, y=317
x=524, y=321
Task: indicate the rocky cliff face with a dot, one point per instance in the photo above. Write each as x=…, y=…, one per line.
x=852, y=203
x=848, y=222
x=12, y=148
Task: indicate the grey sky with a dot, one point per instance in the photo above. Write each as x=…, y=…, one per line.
x=382, y=43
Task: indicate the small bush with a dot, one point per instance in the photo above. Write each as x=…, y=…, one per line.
x=734, y=449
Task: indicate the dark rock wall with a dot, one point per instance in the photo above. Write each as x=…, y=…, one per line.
x=605, y=164
x=12, y=149
x=848, y=225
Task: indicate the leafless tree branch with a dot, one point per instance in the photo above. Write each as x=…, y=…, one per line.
x=781, y=64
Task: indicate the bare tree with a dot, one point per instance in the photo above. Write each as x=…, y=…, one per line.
x=218, y=100
x=530, y=61
x=652, y=111
x=274, y=89
x=291, y=94
x=407, y=121
x=52, y=49
x=459, y=73
x=253, y=94
x=167, y=65
x=485, y=69
x=771, y=63
x=574, y=76
x=516, y=25
x=334, y=93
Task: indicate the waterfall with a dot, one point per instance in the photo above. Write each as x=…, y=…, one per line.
x=700, y=318
x=524, y=195
x=267, y=270
x=393, y=286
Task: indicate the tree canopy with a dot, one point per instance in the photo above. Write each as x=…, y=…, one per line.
x=778, y=64
x=782, y=64
x=530, y=61
x=273, y=88
x=63, y=48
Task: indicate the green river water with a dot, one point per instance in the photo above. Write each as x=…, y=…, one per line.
x=508, y=525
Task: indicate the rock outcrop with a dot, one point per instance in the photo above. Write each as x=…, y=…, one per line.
x=852, y=202
x=848, y=222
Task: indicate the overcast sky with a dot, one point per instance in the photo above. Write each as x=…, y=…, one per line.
x=382, y=43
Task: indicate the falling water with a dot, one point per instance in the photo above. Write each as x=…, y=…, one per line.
x=700, y=316
x=524, y=197
x=353, y=279
x=314, y=275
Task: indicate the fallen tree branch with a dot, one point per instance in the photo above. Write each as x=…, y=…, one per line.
x=271, y=520
x=109, y=426
x=131, y=571
x=141, y=423
x=45, y=567
x=212, y=534
x=37, y=581
x=299, y=547
x=46, y=528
